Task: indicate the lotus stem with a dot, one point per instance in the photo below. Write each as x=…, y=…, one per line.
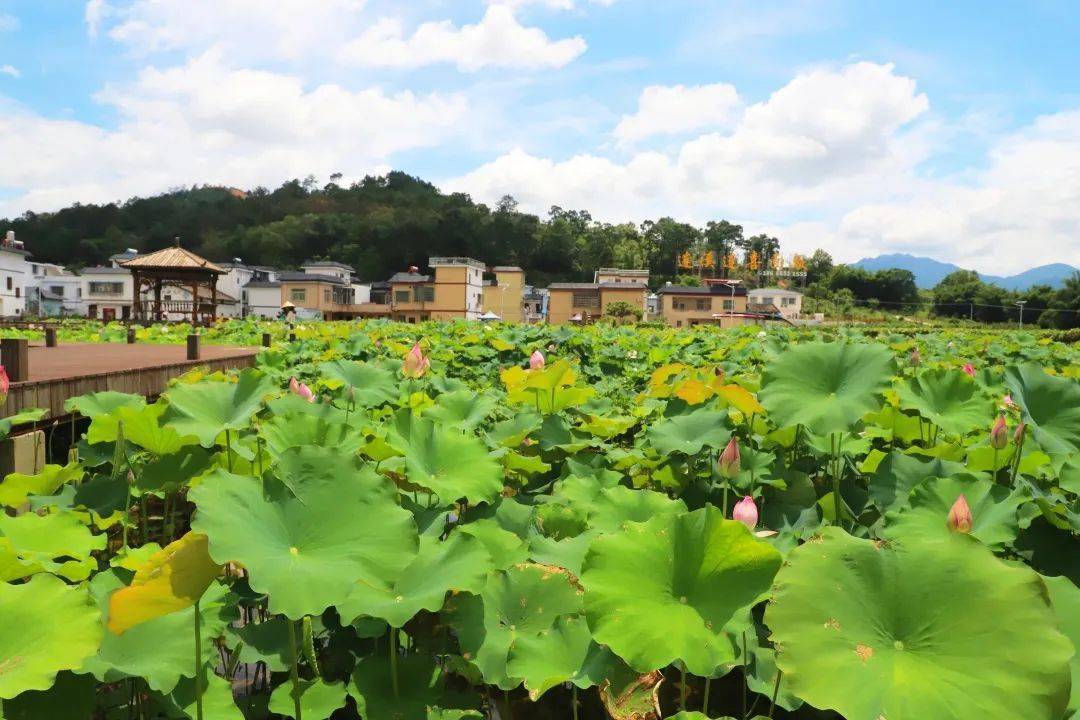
x=198, y=663
x=683, y=687
x=837, y=502
x=228, y=448
x=393, y=659
x=705, y=702
x=1016, y=461
x=746, y=662
x=775, y=692
x=994, y=466
x=294, y=671
x=573, y=699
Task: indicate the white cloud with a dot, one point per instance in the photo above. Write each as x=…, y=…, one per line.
x=8, y=22
x=497, y=40
x=670, y=110
x=94, y=15
x=203, y=122
x=550, y=4
x=247, y=29
x=10, y=70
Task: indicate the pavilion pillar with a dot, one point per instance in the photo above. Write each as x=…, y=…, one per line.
x=213, y=298
x=136, y=291
x=157, y=300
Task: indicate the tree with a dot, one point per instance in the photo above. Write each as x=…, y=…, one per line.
x=622, y=310
x=723, y=238
x=818, y=266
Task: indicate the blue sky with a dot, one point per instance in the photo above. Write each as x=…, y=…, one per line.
x=946, y=129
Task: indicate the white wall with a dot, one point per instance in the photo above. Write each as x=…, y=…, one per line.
x=362, y=293
x=14, y=277
x=263, y=301
x=316, y=269
x=117, y=302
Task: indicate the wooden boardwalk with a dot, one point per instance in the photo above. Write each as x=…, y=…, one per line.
x=67, y=371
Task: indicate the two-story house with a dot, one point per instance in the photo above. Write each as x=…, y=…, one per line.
x=588, y=302
x=53, y=291
x=504, y=293
x=716, y=303
x=455, y=290
x=14, y=276
x=107, y=293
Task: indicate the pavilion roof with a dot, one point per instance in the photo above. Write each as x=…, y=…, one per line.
x=172, y=258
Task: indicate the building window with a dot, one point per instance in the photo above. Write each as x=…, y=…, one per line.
x=57, y=290
x=425, y=293
x=9, y=283
x=106, y=288
x=678, y=323
x=18, y=292
x=729, y=304
x=767, y=301
x=401, y=296
x=298, y=295
x=703, y=304
x=326, y=295
x=586, y=300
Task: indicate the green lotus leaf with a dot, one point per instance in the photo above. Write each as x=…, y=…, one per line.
x=48, y=626
x=615, y=506
x=29, y=415
x=207, y=408
x=993, y=509
x=310, y=467
x=160, y=650
x=17, y=487
x=564, y=653
x=898, y=473
x=825, y=387
x=568, y=553
x=70, y=698
x=318, y=699
x=1050, y=405
x=101, y=408
x=915, y=630
x=419, y=688
x=143, y=426
x=463, y=409
x=948, y=398
x=505, y=547
x=459, y=563
x=58, y=543
x=524, y=600
x=306, y=554
x=1065, y=597
x=267, y=642
x=512, y=432
x=282, y=432
x=662, y=590
x=372, y=385
x=688, y=434
x=217, y=699
x=446, y=462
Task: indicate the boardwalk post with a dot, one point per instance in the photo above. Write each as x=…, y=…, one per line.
x=193, y=346
x=131, y=335
x=15, y=357
x=266, y=339
x=50, y=337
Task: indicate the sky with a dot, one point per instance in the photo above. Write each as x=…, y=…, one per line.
x=863, y=127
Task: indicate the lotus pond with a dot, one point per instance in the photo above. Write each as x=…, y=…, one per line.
x=452, y=521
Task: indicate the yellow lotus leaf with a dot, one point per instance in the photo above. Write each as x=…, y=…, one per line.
x=694, y=392
x=172, y=579
x=743, y=400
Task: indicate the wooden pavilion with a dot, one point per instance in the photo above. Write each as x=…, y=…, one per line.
x=179, y=268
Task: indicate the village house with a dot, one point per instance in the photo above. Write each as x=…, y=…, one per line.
x=456, y=290
x=588, y=302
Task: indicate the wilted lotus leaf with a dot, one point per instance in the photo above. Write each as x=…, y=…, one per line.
x=206, y=409
x=905, y=631
x=1050, y=405
x=993, y=508
x=159, y=650
x=174, y=578
x=47, y=626
x=661, y=591
x=826, y=387
x=306, y=553
x=459, y=563
x=629, y=696
x=948, y=398
x=688, y=434
x=524, y=600
x=564, y=653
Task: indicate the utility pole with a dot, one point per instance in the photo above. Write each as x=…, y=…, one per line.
x=1021, y=304
x=971, y=311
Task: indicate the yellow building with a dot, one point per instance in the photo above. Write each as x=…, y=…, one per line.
x=722, y=304
x=456, y=290
x=503, y=295
x=587, y=302
x=332, y=297
x=621, y=275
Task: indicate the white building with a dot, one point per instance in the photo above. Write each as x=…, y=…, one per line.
x=53, y=291
x=14, y=276
x=106, y=293
x=788, y=302
x=361, y=291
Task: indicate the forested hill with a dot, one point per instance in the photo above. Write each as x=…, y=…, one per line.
x=380, y=226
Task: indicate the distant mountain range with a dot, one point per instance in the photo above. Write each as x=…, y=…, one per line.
x=929, y=272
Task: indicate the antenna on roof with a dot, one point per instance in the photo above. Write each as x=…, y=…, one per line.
x=177, y=240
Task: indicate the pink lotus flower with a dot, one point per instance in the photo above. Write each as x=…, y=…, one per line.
x=302, y=390
x=969, y=369
x=536, y=360
x=960, y=519
x=1007, y=401
x=915, y=358
x=999, y=433
x=5, y=385
x=746, y=512
x=1018, y=434
x=729, y=462
x=416, y=364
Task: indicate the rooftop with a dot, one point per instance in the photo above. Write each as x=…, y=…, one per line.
x=328, y=264
x=409, y=278
x=261, y=284
x=623, y=271
x=451, y=261
x=99, y=270
x=776, y=291
x=173, y=258
x=720, y=290
x=597, y=286
x=506, y=268
x=309, y=277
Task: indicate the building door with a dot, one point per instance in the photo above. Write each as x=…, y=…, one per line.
x=91, y=311
x=125, y=312
x=108, y=314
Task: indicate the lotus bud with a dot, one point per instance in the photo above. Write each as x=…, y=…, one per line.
x=915, y=358
x=1007, y=401
x=969, y=369
x=960, y=516
x=746, y=512
x=302, y=390
x=728, y=464
x=999, y=434
x=415, y=363
x=536, y=360
x=5, y=385
x=1018, y=434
